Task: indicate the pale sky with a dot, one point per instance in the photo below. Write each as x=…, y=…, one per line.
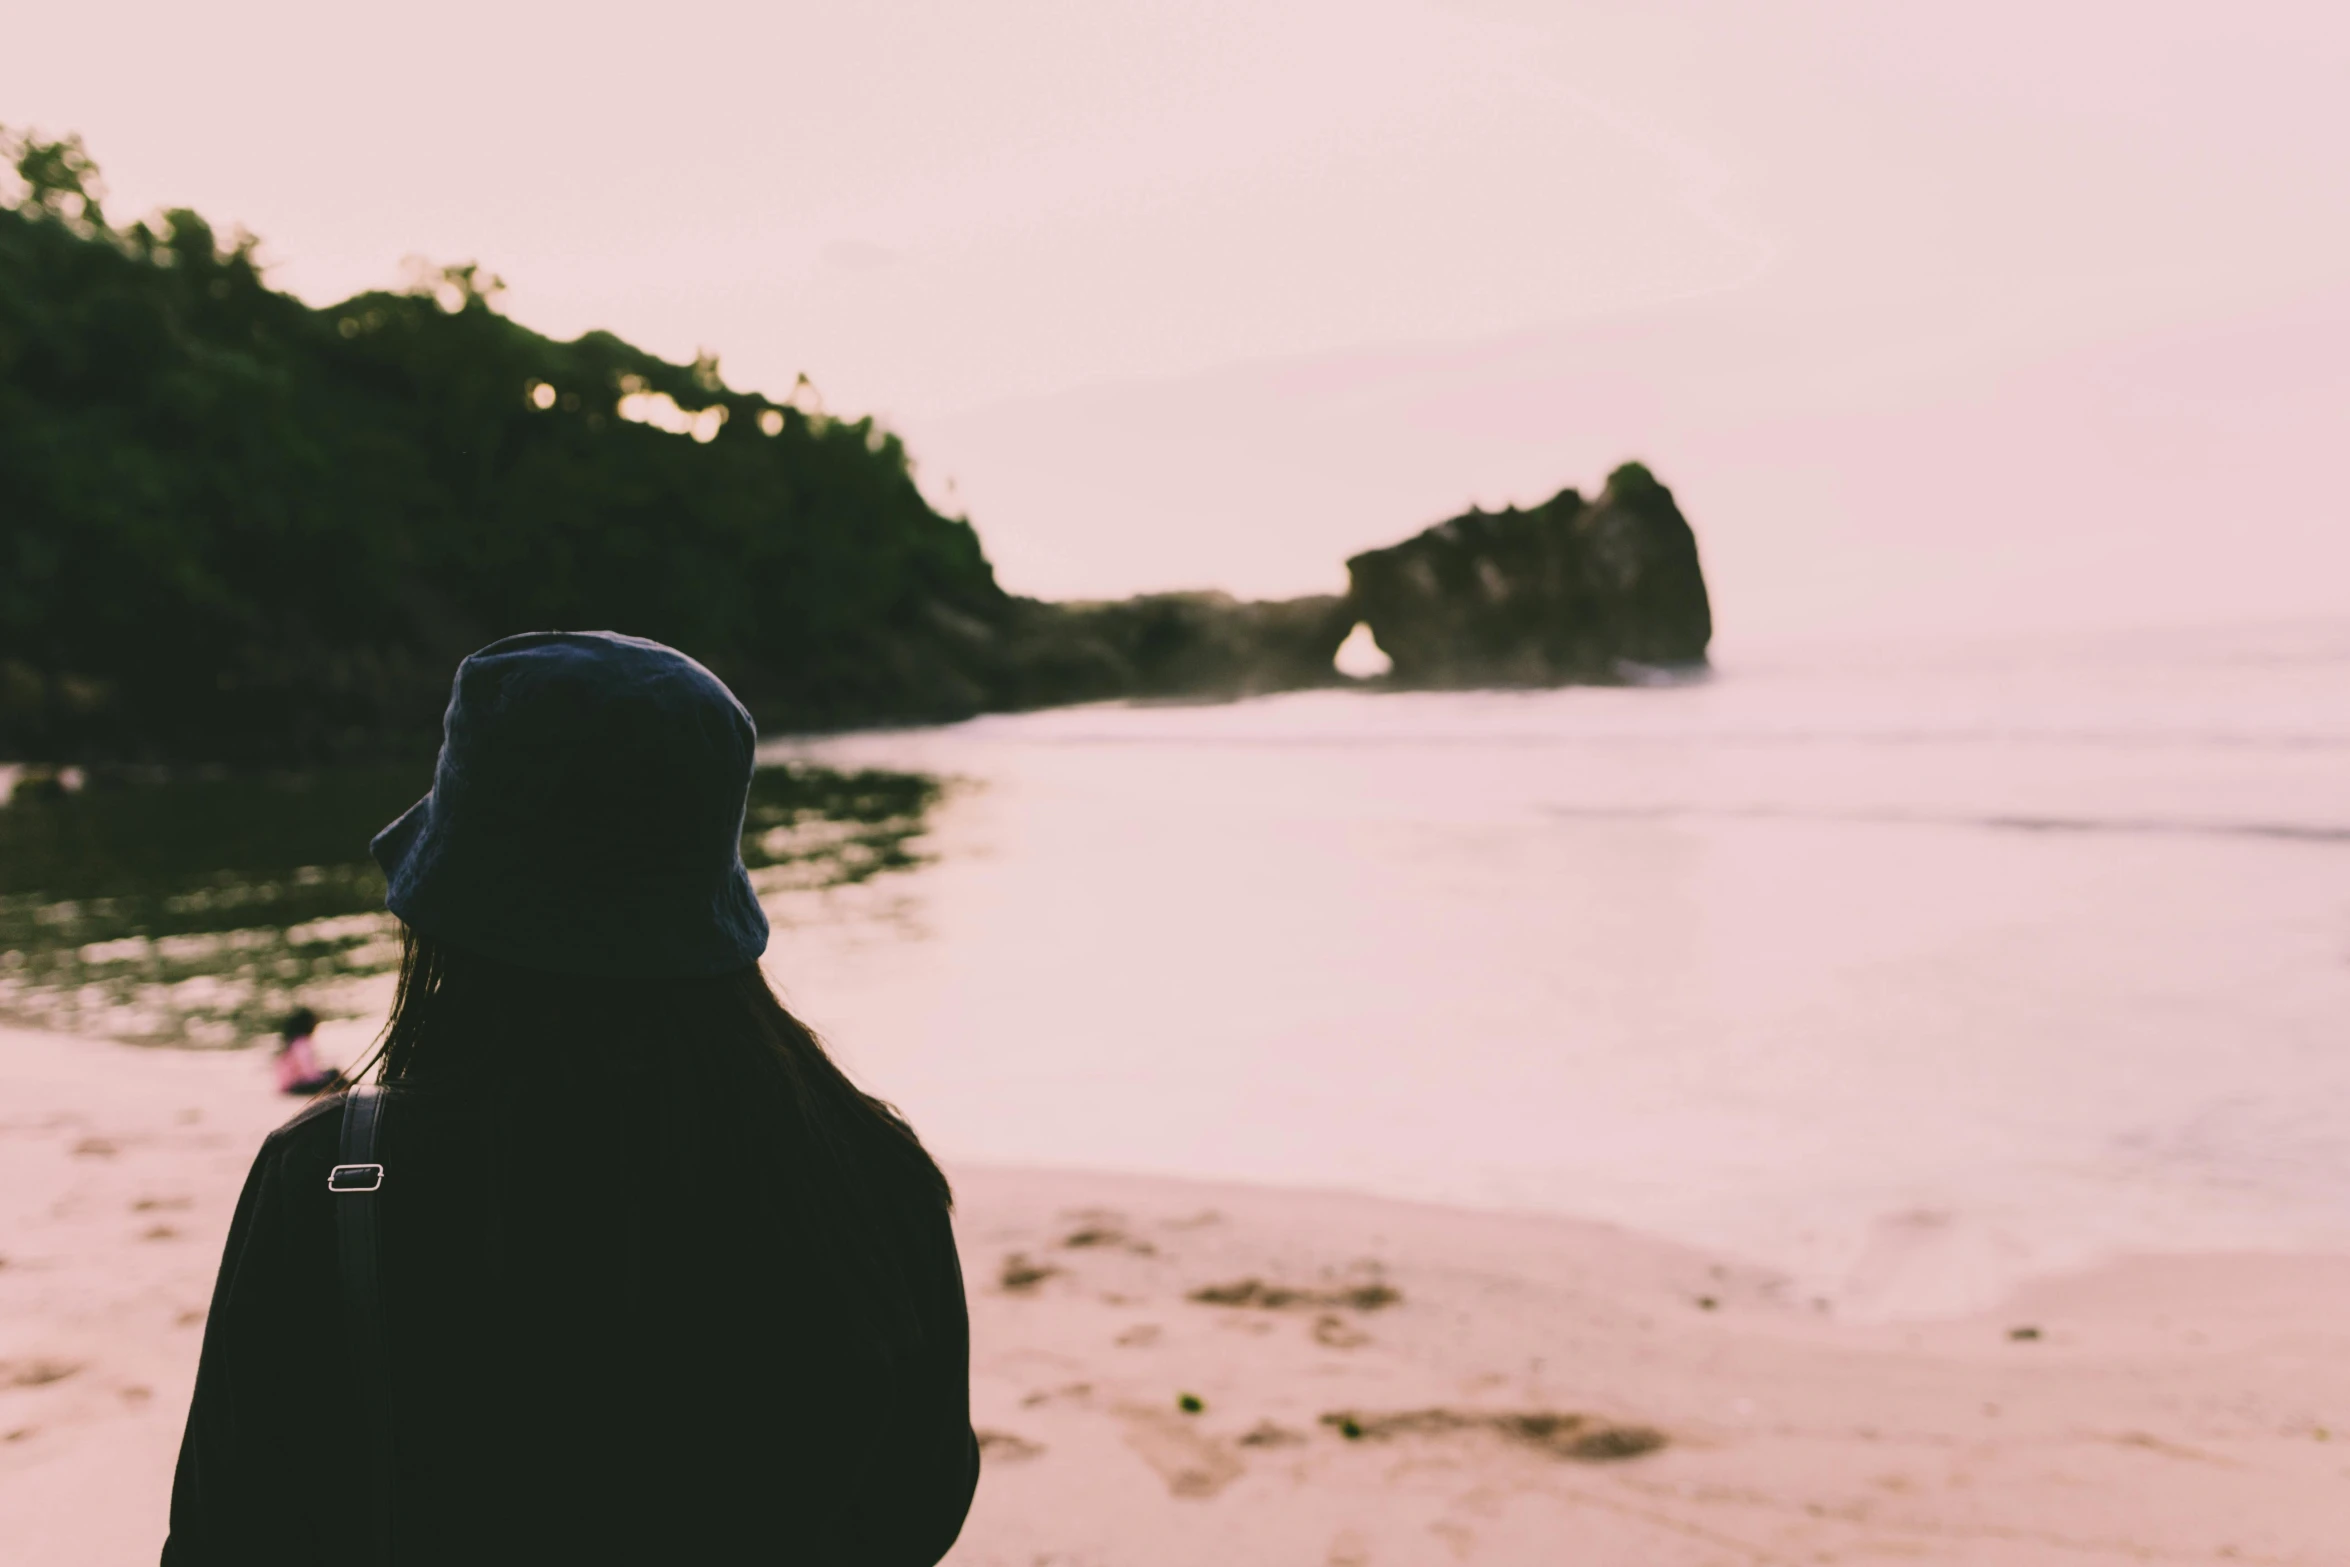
x=1935, y=316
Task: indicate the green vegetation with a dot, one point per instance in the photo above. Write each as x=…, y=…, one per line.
x=236, y=528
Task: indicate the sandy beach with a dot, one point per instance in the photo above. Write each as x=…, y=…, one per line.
x=1369, y=1381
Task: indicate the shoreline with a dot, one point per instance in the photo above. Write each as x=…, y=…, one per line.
x=2174, y=1408
x=2185, y=1407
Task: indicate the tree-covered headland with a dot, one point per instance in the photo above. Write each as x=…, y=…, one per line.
x=237, y=528
x=232, y=525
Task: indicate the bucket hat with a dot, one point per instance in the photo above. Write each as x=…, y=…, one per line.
x=586, y=813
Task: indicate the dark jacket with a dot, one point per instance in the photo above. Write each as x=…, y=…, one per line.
x=598, y=1354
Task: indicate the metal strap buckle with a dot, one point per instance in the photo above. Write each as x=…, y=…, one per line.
x=354, y=1177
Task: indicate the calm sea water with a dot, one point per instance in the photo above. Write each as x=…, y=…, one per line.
x=1909, y=974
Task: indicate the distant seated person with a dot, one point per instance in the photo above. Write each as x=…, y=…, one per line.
x=298, y=1071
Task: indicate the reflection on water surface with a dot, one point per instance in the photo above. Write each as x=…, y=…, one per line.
x=197, y=910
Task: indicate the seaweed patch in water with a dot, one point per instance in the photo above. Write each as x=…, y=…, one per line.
x=196, y=909
x=809, y=826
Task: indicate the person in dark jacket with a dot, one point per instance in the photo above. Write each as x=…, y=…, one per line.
x=659, y=1284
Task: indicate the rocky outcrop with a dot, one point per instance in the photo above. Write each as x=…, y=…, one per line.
x=1571, y=590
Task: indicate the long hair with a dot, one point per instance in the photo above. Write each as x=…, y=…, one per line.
x=755, y=1105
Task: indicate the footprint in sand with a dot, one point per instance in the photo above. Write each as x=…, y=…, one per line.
x=1331, y=1332
x=1103, y=1227
x=1002, y=1447
x=1459, y=1536
x=1266, y=1433
x=1067, y=1393
x=1021, y=1276
x=1193, y=1465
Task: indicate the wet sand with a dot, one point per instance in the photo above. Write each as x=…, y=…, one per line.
x=1374, y=1382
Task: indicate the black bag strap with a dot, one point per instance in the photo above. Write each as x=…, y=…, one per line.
x=355, y=1183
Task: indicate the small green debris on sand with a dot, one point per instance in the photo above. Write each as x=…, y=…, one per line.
x=1578, y=1437
x=2024, y=1335
x=1281, y=1297
x=1189, y=1403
